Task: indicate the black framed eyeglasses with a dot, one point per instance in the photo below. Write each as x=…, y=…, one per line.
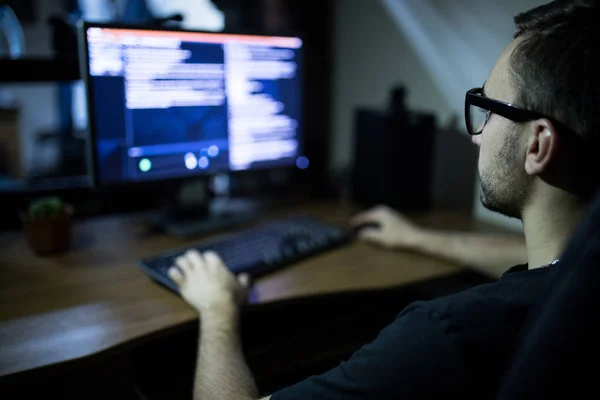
x=479, y=108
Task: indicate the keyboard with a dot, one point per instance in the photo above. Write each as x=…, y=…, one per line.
x=259, y=250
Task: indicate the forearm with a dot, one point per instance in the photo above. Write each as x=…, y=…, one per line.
x=221, y=370
x=491, y=254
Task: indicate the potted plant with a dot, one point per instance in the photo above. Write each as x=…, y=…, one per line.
x=47, y=225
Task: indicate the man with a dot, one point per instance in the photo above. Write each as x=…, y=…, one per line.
x=536, y=123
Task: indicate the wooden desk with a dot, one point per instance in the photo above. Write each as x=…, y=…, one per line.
x=95, y=299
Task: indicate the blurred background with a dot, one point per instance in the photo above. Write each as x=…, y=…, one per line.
x=362, y=56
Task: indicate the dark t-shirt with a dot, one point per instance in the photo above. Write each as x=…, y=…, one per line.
x=456, y=345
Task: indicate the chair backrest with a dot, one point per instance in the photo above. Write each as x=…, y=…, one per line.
x=559, y=345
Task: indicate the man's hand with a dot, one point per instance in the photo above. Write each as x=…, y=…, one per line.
x=390, y=230
x=206, y=284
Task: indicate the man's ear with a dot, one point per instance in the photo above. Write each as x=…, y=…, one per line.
x=542, y=146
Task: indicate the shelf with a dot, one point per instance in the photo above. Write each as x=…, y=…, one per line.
x=39, y=70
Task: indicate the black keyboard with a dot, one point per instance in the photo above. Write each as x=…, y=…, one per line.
x=260, y=250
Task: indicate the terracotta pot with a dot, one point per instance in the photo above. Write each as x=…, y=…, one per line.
x=49, y=235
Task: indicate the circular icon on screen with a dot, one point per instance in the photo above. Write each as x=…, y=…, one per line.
x=145, y=165
x=213, y=151
x=203, y=162
x=302, y=162
x=191, y=161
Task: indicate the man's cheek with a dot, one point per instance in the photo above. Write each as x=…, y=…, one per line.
x=484, y=158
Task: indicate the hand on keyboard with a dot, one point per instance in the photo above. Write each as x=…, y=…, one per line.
x=207, y=284
x=256, y=251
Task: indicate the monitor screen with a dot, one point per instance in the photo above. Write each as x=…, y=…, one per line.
x=176, y=104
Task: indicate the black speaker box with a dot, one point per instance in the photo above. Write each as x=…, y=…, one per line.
x=393, y=159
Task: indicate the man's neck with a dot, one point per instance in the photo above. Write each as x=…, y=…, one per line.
x=548, y=226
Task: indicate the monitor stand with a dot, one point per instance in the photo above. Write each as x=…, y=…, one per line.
x=186, y=220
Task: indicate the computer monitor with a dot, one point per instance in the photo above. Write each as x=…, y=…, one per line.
x=173, y=104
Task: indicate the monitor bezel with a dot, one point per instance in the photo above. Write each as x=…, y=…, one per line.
x=91, y=153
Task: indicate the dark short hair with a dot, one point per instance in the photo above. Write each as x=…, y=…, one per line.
x=556, y=64
x=555, y=67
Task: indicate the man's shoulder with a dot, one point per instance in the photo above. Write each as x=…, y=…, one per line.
x=484, y=321
x=517, y=286
x=514, y=293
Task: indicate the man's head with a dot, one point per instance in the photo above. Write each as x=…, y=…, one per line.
x=552, y=69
